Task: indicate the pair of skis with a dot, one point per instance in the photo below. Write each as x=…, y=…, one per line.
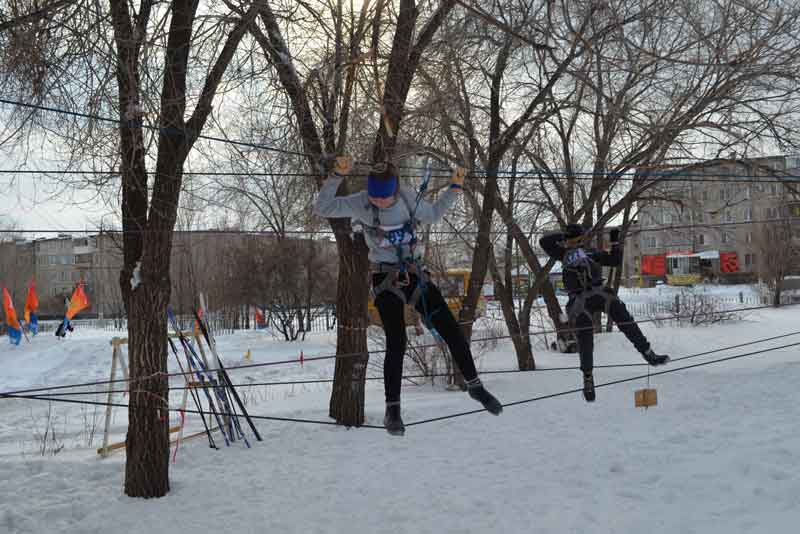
x=198, y=367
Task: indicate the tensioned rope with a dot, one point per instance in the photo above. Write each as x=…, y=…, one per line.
x=432, y=231
x=540, y=173
x=171, y=130
x=367, y=353
x=414, y=423
x=434, y=375
x=605, y=384
x=533, y=175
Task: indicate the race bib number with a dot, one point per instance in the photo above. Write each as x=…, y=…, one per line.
x=575, y=257
x=394, y=236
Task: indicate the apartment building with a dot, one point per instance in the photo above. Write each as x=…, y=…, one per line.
x=713, y=225
x=211, y=261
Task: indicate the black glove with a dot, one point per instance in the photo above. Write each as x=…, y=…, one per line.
x=614, y=234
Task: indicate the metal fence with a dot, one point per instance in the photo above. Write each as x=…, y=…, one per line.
x=323, y=320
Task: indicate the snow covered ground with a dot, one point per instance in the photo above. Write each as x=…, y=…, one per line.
x=719, y=454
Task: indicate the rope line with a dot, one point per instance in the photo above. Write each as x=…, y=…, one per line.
x=440, y=375
x=604, y=384
x=631, y=232
x=182, y=132
x=548, y=174
x=675, y=176
x=178, y=410
x=432, y=419
x=360, y=354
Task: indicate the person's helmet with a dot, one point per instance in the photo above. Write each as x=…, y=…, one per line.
x=573, y=230
x=382, y=181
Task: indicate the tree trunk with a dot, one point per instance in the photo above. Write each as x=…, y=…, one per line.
x=347, y=397
x=147, y=442
x=505, y=293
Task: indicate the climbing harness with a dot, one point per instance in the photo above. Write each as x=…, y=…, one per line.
x=585, y=268
x=399, y=275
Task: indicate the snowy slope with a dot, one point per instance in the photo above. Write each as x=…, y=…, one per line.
x=719, y=454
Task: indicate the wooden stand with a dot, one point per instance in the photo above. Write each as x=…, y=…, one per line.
x=118, y=359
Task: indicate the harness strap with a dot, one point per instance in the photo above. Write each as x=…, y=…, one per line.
x=578, y=306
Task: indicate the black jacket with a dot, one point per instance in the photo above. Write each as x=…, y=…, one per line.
x=580, y=268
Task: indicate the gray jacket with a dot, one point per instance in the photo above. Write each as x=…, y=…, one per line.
x=383, y=245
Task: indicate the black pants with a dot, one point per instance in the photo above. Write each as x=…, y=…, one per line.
x=391, y=310
x=619, y=314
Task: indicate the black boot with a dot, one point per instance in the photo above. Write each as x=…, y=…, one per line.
x=588, y=387
x=655, y=359
x=478, y=392
x=392, y=420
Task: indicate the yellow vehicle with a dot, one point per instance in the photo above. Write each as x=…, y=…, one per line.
x=684, y=279
x=453, y=284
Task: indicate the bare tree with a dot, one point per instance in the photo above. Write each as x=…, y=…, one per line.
x=128, y=54
x=777, y=251
x=323, y=101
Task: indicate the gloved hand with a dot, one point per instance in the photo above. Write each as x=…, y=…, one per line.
x=614, y=234
x=343, y=165
x=458, y=177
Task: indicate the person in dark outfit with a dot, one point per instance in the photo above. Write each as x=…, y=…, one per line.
x=583, y=279
x=388, y=214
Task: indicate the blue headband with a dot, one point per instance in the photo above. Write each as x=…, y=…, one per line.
x=380, y=187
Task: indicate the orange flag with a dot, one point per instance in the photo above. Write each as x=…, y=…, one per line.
x=78, y=302
x=14, y=331
x=32, y=302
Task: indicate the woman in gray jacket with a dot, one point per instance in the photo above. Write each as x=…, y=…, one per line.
x=388, y=214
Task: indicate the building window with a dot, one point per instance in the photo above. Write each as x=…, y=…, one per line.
x=705, y=194
x=749, y=237
x=748, y=214
x=701, y=239
x=771, y=213
x=773, y=188
x=750, y=260
x=729, y=217
x=726, y=237
x=650, y=241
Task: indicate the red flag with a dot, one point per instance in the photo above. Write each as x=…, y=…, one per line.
x=78, y=302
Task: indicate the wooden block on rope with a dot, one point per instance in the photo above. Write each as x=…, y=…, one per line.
x=646, y=397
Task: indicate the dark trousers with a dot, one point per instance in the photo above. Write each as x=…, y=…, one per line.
x=585, y=329
x=391, y=311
